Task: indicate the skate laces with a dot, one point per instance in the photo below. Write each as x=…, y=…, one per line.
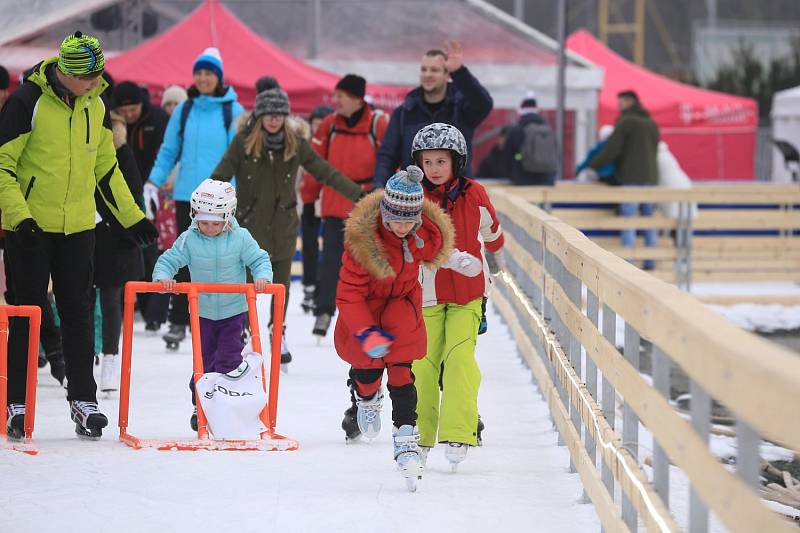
x=15, y=409
x=371, y=408
x=87, y=408
x=405, y=443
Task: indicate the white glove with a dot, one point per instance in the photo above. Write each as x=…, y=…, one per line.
x=496, y=262
x=464, y=263
x=150, y=194
x=587, y=175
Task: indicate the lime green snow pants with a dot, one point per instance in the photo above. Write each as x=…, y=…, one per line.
x=452, y=332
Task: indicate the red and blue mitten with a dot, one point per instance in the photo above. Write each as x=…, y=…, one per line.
x=375, y=341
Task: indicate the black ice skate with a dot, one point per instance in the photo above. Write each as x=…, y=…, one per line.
x=350, y=424
x=174, y=336
x=308, y=299
x=193, y=420
x=89, y=421
x=15, y=426
x=481, y=427
x=321, y=325
x=57, y=367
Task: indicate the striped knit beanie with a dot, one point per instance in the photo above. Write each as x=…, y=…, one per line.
x=402, y=202
x=80, y=55
x=271, y=102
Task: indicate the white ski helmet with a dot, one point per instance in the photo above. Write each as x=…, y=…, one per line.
x=214, y=200
x=441, y=136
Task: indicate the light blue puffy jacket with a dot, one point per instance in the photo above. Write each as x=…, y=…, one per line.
x=204, y=143
x=220, y=259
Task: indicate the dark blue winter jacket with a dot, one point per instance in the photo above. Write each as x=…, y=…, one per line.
x=466, y=105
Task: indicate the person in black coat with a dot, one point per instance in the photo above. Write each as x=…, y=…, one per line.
x=449, y=93
x=145, y=125
x=497, y=164
x=117, y=259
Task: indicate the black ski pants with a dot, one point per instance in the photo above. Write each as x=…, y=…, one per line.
x=402, y=391
x=309, y=227
x=68, y=259
x=332, y=250
x=179, y=312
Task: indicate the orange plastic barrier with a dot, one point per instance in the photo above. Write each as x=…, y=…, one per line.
x=270, y=440
x=34, y=315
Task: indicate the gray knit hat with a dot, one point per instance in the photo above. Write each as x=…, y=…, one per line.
x=271, y=102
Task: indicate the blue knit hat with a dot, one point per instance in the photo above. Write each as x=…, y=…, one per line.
x=209, y=60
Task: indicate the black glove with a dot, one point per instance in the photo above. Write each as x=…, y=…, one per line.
x=28, y=232
x=143, y=233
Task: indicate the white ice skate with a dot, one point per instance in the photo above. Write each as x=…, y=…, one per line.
x=455, y=452
x=109, y=373
x=406, y=453
x=369, y=414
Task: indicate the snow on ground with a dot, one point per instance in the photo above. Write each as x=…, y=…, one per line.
x=517, y=481
x=763, y=318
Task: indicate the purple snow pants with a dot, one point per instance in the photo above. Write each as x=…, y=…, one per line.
x=222, y=344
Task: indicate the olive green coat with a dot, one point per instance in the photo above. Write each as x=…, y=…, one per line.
x=267, y=195
x=633, y=147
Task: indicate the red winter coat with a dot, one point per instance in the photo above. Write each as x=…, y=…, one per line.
x=377, y=287
x=477, y=226
x=352, y=151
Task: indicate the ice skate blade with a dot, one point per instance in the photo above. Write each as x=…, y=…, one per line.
x=284, y=368
x=454, y=468
x=352, y=440
x=412, y=483
x=88, y=434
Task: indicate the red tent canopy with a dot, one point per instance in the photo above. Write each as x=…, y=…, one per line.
x=167, y=60
x=712, y=134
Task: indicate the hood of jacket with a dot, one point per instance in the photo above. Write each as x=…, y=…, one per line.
x=367, y=247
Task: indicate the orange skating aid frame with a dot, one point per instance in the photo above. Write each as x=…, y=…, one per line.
x=34, y=315
x=269, y=439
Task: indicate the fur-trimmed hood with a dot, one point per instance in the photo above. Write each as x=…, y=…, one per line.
x=362, y=235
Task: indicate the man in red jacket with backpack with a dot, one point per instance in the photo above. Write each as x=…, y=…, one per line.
x=349, y=140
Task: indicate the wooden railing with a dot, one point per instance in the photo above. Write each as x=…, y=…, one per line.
x=571, y=349
x=741, y=232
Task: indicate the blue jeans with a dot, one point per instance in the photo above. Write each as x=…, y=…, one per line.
x=629, y=235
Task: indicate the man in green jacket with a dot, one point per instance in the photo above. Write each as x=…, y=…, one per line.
x=633, y=147
x=56, y=150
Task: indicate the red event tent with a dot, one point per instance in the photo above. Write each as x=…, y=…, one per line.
x=168, y=59
x=712, y=134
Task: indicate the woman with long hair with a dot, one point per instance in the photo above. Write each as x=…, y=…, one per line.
x=264, y=156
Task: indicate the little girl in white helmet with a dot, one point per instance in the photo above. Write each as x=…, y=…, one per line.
x=216, y=250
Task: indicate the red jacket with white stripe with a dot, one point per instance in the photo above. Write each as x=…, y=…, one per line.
x=352, y=150
x=477, y=228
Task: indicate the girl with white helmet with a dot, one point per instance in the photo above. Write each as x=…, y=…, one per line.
x=448, y=378
x=216, y=250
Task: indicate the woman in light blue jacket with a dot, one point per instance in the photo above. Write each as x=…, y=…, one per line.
x=197, y=136
x=216, y=250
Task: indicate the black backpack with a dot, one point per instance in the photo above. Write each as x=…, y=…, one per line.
x=227, y=117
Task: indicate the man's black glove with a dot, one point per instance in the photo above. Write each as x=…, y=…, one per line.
x=28, y=232
x=143, y=233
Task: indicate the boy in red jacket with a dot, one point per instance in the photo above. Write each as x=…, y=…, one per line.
x=452, y=300
x=389, y=233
